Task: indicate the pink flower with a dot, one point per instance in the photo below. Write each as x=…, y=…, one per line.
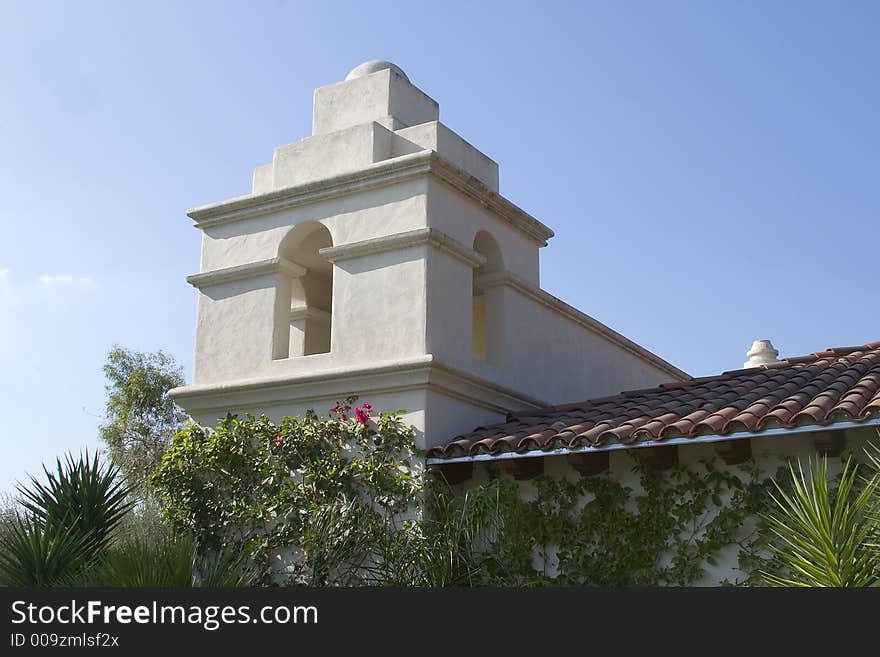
x=362, y=416
x=277, y=442
x=344, y=417
x=367, y=407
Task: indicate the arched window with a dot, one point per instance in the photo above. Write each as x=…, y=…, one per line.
x=304, y=299
x=488, y=321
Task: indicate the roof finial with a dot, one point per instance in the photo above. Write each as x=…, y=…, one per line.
x=374, y=66
x=761, y=353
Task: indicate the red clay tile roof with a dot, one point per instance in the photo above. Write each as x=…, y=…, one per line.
x=836, y=385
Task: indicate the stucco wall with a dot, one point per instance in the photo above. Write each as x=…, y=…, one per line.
x=368, y=323
x=462, y=218
x=427, y=410
x=381, y=401
x=552, y=354
x=544, y=354
x=373, y=213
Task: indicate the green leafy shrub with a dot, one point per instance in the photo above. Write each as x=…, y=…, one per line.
x=327, y=489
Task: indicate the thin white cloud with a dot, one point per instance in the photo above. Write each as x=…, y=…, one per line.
x=4, y=273
x=66, y=280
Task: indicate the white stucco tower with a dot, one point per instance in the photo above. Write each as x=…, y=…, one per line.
x=376, y=257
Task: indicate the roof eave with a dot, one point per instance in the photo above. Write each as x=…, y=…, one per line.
x=713, y=438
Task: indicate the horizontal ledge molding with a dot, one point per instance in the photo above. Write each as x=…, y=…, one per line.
x=509, y=279
x=420, y=372
x=249, y=270
x=404, y=240
x=375, y=176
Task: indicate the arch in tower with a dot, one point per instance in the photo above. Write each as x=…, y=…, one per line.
x=488, y=324
x=304, y=297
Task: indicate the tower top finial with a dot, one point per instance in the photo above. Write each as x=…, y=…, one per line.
x=374, y=66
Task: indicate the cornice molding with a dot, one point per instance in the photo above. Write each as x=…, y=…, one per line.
x=417, y=373
x=380, y=174
x=494, y=202
x=535, y=293
x=404, y=240
x=243, y=272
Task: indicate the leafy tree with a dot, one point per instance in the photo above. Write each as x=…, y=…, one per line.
x=7, y=514
x=140, y=417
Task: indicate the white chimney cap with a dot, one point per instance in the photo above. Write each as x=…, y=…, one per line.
x=761, y=353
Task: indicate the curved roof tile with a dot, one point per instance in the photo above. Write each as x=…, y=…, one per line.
x=835, y=385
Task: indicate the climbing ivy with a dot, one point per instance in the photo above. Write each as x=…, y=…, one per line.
x=597, y=531
x=343, y=500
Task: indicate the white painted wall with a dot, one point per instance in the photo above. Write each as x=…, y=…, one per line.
x=373, y=213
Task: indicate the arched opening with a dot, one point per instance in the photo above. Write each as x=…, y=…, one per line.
x=487, y=302
x=304, y=297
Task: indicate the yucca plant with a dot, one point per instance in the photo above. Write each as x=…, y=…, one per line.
x=64, y=525
x=34, y=555
x=824, y=538
x=83, y=493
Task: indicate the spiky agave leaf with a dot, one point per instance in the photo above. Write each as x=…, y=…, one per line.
x=64, y=524
x=822, y=539
x=873, y=452
x=32, y=555
x=81, y=493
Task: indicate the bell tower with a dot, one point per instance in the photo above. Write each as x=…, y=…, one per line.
x=376, y=257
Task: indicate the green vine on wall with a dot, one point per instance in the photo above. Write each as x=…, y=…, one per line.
x=343, y=500
x=599, y=532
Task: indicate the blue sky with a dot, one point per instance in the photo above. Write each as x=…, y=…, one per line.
x=710, y=168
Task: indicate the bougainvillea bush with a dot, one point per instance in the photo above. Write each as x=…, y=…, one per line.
x=310, y=499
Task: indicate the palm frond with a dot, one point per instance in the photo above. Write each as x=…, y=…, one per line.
x=822, y=537
x=82, y=492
